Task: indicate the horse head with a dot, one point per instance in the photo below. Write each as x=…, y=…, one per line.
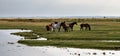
x=62, y=23
x=56, y=22
x=51, y=24
x=75, y=23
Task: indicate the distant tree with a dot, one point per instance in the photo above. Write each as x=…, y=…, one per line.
x=104, y=17
x=31, y=20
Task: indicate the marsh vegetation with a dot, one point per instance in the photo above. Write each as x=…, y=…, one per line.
x=101, y=29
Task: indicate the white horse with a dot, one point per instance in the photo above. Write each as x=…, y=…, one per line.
x=56, y=26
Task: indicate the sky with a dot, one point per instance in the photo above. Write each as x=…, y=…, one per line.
x=29, y=8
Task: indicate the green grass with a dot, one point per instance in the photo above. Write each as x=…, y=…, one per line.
x=73, y=43
x=105, y=29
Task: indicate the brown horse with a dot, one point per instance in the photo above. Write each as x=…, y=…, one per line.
x=49, y=27
x=65, y=26
x=86, y=25
x=71, y=25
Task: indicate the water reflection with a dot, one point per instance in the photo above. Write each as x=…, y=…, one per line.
x=10, y=47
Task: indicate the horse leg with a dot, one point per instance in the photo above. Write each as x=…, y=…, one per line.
x=68, y=29
x=53, y=29
x=65, y=29
x=86, y=28
x=71, y=28
x=81, y=28
x=59, y=29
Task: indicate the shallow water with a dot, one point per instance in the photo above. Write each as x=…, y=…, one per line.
x=10, y=47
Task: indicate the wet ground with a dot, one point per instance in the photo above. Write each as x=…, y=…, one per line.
x=10, y=47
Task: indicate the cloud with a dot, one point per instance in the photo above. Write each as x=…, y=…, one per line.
x=59, y=7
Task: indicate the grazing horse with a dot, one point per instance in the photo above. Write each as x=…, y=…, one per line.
x=49, y=27
x=86, y=25
x=65, y=26
x=56, y=26
x=71, y=25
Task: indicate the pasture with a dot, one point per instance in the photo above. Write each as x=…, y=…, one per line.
x=102, y=30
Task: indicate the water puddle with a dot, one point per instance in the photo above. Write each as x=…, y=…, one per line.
x=38, y=37
x=110, y=41
x=10, y=47
x=41, y=38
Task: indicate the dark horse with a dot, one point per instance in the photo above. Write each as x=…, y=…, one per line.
x=49, y=27
x=65, y=26
x=71, y=25
x=86, y=25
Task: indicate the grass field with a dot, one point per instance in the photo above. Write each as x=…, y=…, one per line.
x=102, y=29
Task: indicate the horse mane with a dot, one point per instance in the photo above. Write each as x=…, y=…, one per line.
x=73, y=23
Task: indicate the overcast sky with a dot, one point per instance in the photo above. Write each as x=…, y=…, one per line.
x=59, y=8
